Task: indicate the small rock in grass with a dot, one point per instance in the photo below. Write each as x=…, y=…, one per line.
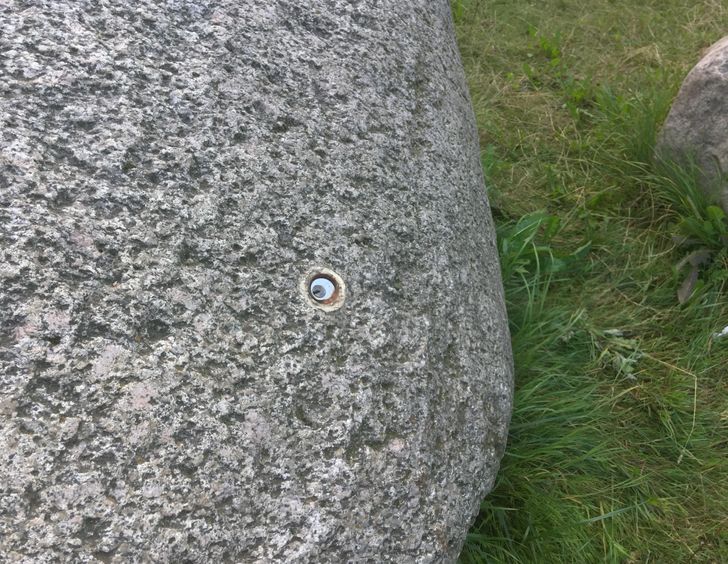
x=696, y=128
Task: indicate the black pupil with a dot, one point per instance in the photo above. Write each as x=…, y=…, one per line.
x=318, y=291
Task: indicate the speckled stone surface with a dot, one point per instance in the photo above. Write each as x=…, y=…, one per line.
x=168, y=173
x=696, y=129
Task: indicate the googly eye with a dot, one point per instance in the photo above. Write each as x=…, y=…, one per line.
x=322, y=289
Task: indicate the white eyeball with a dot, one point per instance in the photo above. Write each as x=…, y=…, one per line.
x=321, y=289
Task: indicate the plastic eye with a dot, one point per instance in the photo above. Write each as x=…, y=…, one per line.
x=322, y=289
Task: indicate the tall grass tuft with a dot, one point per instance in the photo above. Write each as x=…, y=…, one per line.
x=615, y=267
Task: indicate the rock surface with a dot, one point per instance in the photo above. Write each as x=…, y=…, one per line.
x=696, y=128
x=168, y=174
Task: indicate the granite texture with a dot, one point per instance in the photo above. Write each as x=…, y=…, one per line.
x=169, y=172
x=696, y=129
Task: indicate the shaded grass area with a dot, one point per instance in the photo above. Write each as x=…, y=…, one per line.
x=616, y=275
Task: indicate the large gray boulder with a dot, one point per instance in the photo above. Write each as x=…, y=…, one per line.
x=696, y=129
x=249, y=293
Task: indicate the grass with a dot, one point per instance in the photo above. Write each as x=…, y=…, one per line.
x=616, y=275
